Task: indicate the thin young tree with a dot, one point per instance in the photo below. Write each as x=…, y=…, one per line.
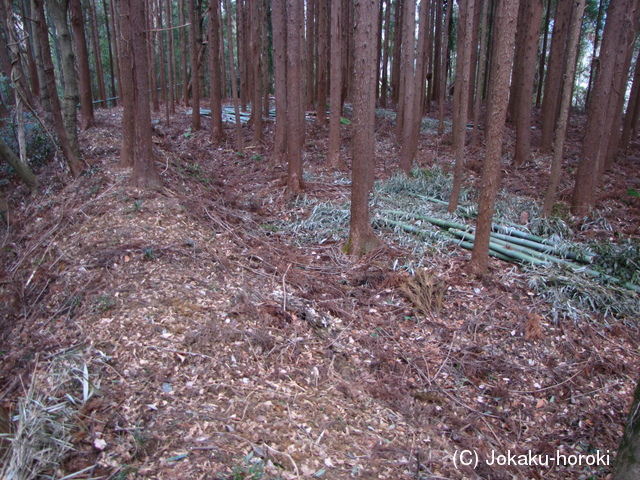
x=362, y=238
x=97, y=56
x=460, y=100
x=234, y=84
x=528, y=35
x=553, y=78
x=84, y=74
x=501, y=67
x=561, y=130
x=480, y=78
x=415, y=112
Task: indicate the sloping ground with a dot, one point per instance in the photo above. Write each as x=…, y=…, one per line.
x=219, y=347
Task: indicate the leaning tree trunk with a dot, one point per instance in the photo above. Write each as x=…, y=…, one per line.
x=21, y=168
x=69, y=152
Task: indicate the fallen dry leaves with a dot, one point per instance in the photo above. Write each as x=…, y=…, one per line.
x=222, y=345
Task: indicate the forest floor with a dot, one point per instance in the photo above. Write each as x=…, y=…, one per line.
x=207, y=340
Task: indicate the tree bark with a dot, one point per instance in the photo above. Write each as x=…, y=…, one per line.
x=321, y=67
x=333, y=157
x=84, y=74
x=501, y=66
x=385, y=55
x=234, y=84
x=554, y=81
x=256, y=55
x=280, y=60
x=633, y=109
x=460, y=103
x=295, y=110
x=621, y=23
x=362, y=239
x=561, y=131
x=68, y=151
x=95, y=46
x=543, y=54
x=407, y=72
x=215, y=72
x=184, y=54
x=480, y=79
x=195, y=78
x=22, y=169
x=524, y=76
x=144, y=174
x=443, y=68
x=70, y=98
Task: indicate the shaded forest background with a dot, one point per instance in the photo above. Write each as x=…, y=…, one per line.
x=264, y=120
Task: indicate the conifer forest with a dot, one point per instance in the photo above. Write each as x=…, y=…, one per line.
x=335, y=239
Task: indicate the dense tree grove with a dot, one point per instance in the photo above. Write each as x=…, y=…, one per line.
x=493, y=64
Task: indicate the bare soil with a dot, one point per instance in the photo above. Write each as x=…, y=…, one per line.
x=223, y=349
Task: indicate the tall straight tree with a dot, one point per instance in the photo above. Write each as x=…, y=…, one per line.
x=521, y=99
x=295, y=107
x=460, y=99
x=501, y=67
x=234, y=84
x=553, y=79
x=362, y=239
x=622, y=18
x=256, y=70
x=561, y=130
x=84, y=75
x=333, y=156
x=215, y=71
x=444, y=51
x=407, y=71
x=414, y=112
x=193, y=52
x=134, y=37
x=97, y=55
x=321, y=67
x=278, y=20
